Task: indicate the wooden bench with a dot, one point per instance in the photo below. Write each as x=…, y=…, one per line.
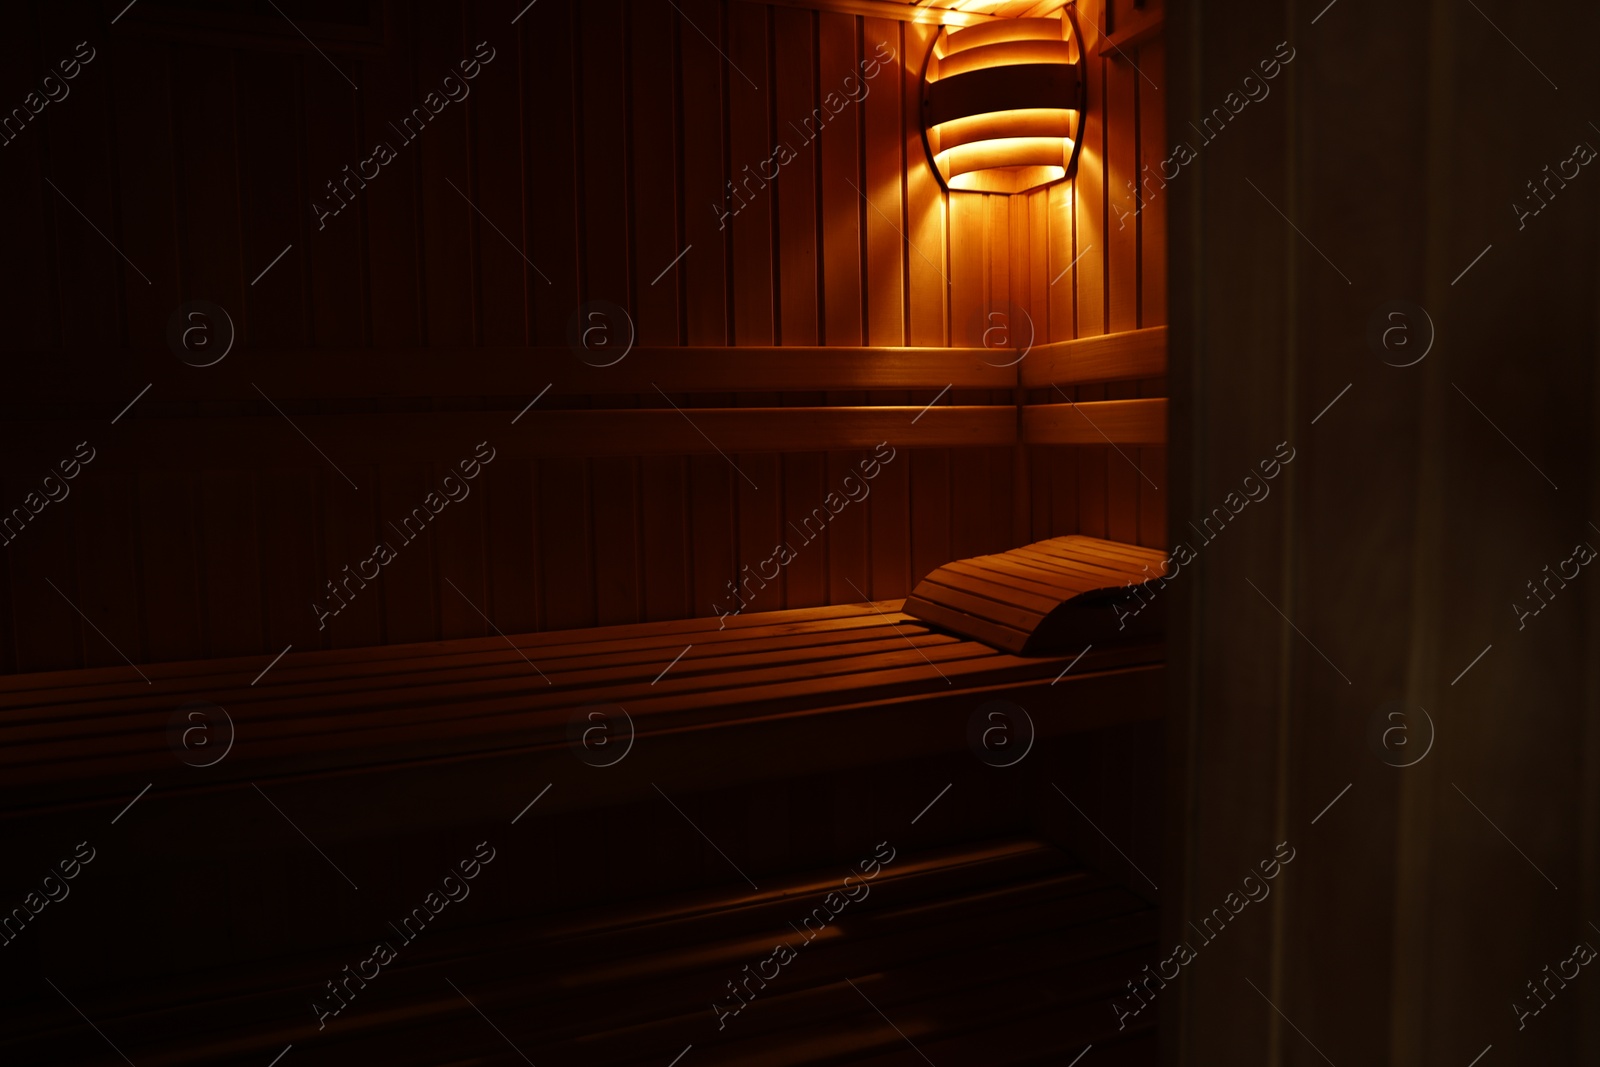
x=996, y=954
x=93, y=736
x=997, y=951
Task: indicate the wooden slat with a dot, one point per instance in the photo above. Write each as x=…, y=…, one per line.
x=1032, y=597
x=323, y=732
x=840, y=189
x=1122, y=277
x=1112, y=357
x=516, y=371
x=20, y=690
x=350, y=440
x=883, y=115
x=1002, y=945
x=1124, y=422
x=569, y=680
x=883, y=9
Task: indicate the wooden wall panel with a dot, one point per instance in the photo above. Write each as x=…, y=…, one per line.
x=551, y=172
x=589, y=160
x=498, y=162
x=1106, y=264
x=840, y=167
x=794, y=36
x=883, y=113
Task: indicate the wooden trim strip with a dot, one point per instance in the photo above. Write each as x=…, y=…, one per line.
x=1107, y=358
x=352, y=440
x=1121, y=422
x=55, y=378
x=1142, y=26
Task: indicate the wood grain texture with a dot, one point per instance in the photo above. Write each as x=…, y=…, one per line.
x=591, y=160
x=1117, y=356
x=1098, y=422
x=1042, y=596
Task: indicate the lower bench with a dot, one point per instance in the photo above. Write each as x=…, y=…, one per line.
x=380, y=761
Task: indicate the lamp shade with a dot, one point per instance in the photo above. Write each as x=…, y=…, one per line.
x=1002, y=102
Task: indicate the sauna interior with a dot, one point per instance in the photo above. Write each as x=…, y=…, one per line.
x=507, y=446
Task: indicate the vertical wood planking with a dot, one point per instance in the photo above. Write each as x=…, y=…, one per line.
x=513, y=591
x=47, y=631
x=71, y=145
x=891, y=525
x=336, y=276
x=350, y=522
x=107, y=565
x=838, y=114
x=840, y=91
x=562, y=507
x=1061, y=215
x=211, y=246
x=604, y=159
x=655, y=169
x=565, y=537
x=796, y=187
x=603, y=185
x=335, y=262
x=1153, y=196
x=1056, y=468
x=76, y=147
x=208, y=177
x=882, y=113
x=1026, y=295
x=410, y=587
x=552, y=166
x=705, y=80
x=1089, y=206
x=616, y=539
x=272, y=204
x=1122, y=278
x=448, y=266
x=508, y=282
x=930, y=508
x=711, y=496
x=848, y=550
x=451, y=236
x=969, y=269
x=750, y=146
x=972, y=500
x=1152, y=273
x=760, y=528
x=273, y=217
x=390, y=88
x=656, y=241
x=805, y=578
x=291, y=569
x=606, y=256
x=459, y=539
x=230, y=562
x=167, y=547
x=663, y=496
x=494, y=109
x=927, y=284
x=31, y=223
x=796, y=268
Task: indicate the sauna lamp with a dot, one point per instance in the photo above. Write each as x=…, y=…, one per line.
x=1002, y=102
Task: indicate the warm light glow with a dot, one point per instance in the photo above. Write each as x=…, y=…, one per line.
x=1001, y=104
x=1007, y=179
x=1006, y=52
x=1023, y=122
